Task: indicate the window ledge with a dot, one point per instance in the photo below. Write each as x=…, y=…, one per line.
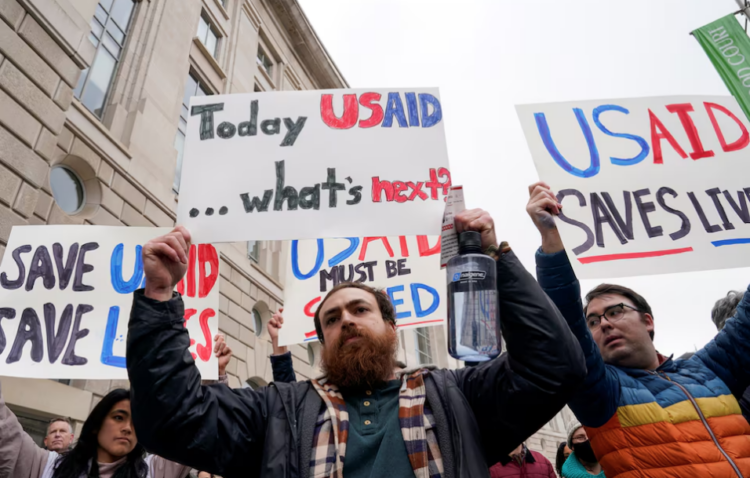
x=265, y=74
x=252, y=14
x=222, y=9
x=253, y=280
x=97, y=123
x=211, y=60
x=268, y=276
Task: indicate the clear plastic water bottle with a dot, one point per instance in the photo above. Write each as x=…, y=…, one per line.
x=473, y=316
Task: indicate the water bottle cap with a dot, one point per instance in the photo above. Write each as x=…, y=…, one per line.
x=469, y=242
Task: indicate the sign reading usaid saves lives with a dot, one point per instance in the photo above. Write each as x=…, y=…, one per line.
x=310, y=164
x=66, y=294
x=647, y=185
x=406, y=268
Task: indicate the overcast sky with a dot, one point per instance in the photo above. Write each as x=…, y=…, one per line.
x=487, y=56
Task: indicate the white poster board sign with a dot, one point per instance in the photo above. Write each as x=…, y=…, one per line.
x=407, y=268
x=66, y=294
x=648, y=185
x=309, y=164
x=454, y=205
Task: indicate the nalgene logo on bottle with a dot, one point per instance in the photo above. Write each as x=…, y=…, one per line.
x=469, y=275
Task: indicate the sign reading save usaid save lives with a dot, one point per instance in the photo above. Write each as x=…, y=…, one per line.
x=648, y=185
x=310, y=164
x=406, y=268
x=66, y=294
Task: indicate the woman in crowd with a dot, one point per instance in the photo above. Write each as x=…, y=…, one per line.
x=563, y=452
x=582, y=463
x=107, y=448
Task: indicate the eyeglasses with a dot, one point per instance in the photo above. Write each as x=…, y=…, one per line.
x=613, y=313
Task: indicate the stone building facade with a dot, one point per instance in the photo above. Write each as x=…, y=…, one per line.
x=93, y=99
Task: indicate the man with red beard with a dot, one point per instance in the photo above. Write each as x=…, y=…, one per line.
x=365, y=417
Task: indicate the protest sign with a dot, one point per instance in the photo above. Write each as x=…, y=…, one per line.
x=66, y=294
x=647, y=185
x=310, y=164
x=407, y=268
x=454, y=206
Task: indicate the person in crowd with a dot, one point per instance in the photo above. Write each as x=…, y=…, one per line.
x=59, y=435
x=563, y=452
x=107, y=448
x=724, y=309
x=281, y=359
x=646, y=414
x=582, y=462
x=364, y=416
x=523, y=463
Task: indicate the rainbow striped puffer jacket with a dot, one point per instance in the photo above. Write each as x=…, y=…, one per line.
x=681, y=420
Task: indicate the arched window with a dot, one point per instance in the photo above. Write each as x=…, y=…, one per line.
x=67, y=189
x=257, y=322
x=311, y=354
x=254, y=383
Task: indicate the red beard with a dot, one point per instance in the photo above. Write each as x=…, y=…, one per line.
x=366, y=362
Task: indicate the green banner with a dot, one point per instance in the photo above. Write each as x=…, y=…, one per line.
x=728, y=47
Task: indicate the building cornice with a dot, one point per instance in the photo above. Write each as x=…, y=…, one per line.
x=306, y=44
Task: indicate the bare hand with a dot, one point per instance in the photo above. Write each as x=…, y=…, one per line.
x=165, y=261
x=223, y=352
x=542, y=208
x=274, y=326
x=480, y=221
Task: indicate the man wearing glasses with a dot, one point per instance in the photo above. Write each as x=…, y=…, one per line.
x=646, y=414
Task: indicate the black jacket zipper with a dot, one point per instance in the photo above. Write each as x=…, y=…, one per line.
x=702, y=417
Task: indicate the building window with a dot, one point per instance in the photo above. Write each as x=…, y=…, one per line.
x=253, y=250
x=109, y=28
x=67, y=189
x=424, y=351
x=311, y=354
x=193, y=87
x=257, y=322
x=207, y=35
x=35, y=427
x=264, y=60
x=254, y=383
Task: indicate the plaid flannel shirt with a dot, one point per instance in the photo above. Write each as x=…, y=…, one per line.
x=417, y=428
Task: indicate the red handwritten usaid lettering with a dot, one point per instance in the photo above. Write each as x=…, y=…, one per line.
x=422, y=110
x=205, y=283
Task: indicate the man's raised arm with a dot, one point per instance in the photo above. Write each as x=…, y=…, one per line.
x=212, y=428
x=597, y=398
x=281, y=358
